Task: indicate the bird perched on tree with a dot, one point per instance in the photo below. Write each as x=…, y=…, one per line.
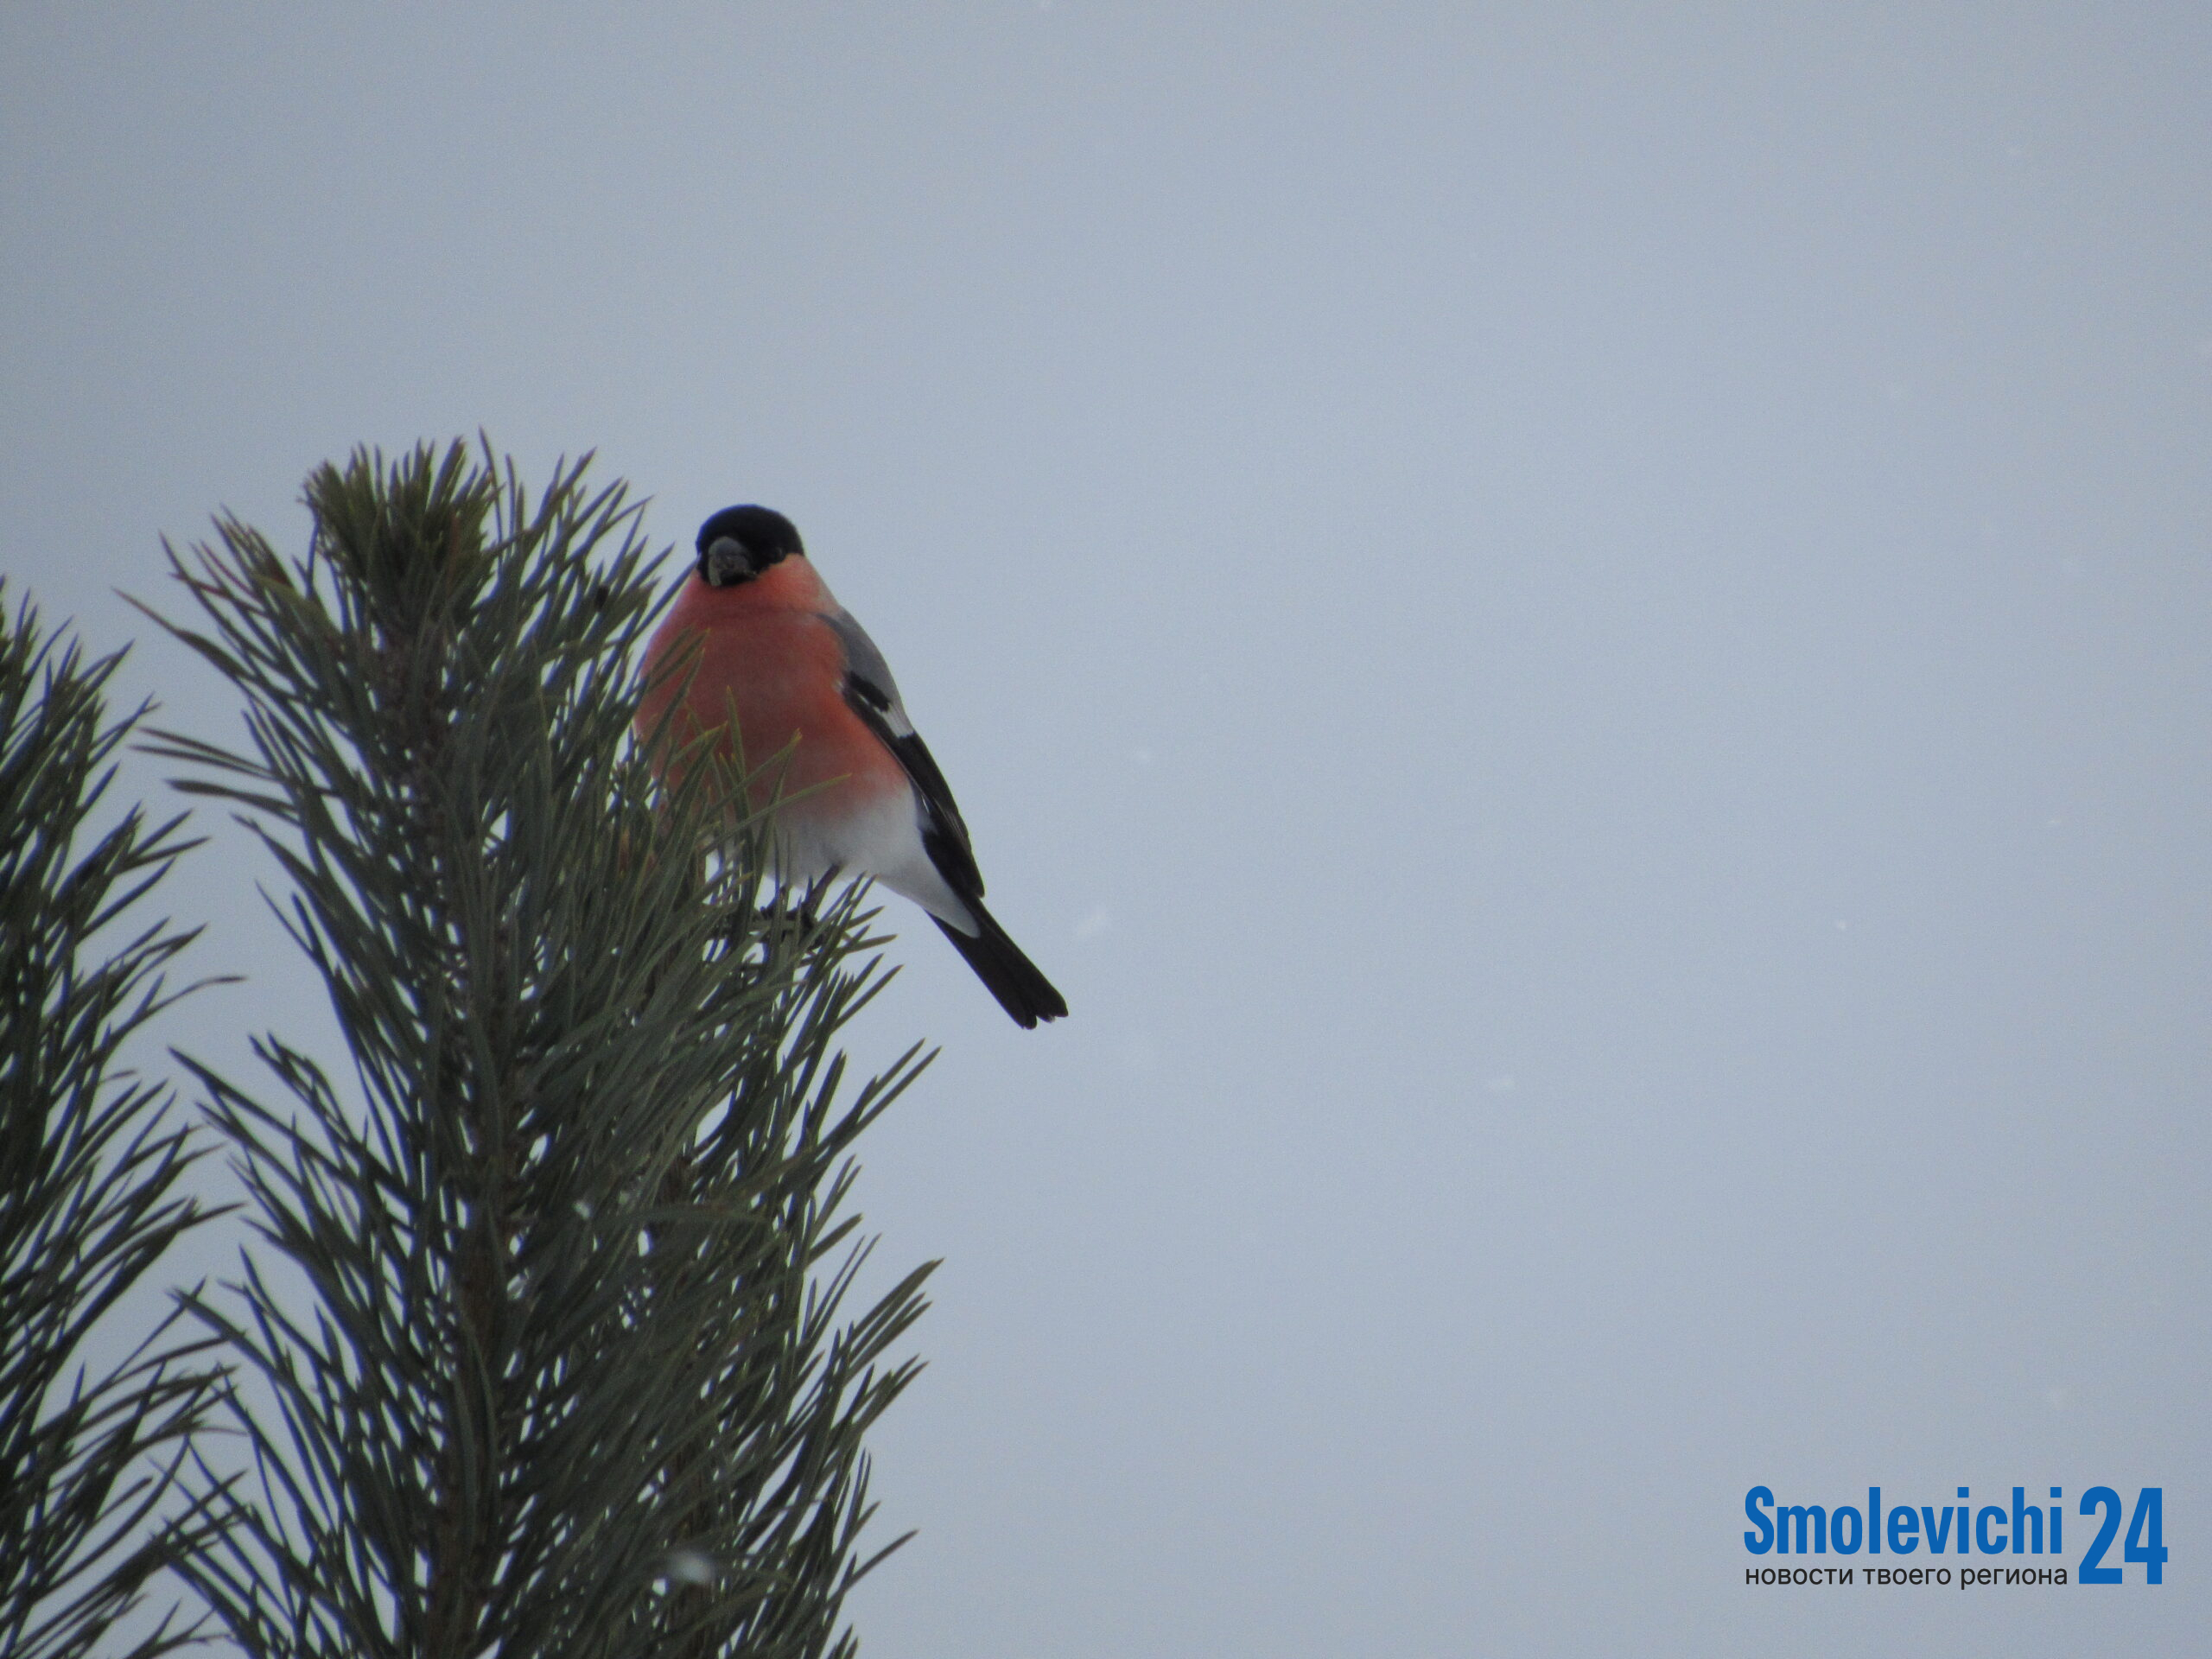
x=860, y=792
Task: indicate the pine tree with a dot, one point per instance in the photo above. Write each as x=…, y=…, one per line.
x=90, y=1160
x=550, y=1299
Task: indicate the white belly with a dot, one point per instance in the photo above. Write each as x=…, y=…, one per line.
x=882, y=839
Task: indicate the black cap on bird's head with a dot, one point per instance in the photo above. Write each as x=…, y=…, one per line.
x=738, y=543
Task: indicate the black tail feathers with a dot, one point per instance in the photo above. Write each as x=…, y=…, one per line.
x=1010, y=976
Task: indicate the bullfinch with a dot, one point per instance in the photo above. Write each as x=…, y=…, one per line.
x=858, y=791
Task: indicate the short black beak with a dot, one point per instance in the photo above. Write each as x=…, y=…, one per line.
x=726, y=562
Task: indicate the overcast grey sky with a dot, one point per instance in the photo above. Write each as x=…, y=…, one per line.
x=1580, y=633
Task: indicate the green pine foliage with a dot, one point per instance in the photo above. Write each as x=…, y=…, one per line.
x=551, y=1299
x=90, y=1161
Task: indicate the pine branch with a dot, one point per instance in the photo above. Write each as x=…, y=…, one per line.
x=89, y=1164
x=573, y=1374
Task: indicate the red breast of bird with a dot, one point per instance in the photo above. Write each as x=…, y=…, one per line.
x=762, y=651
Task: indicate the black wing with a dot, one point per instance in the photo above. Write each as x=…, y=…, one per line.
x=871, y=693
x=1022, y=990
